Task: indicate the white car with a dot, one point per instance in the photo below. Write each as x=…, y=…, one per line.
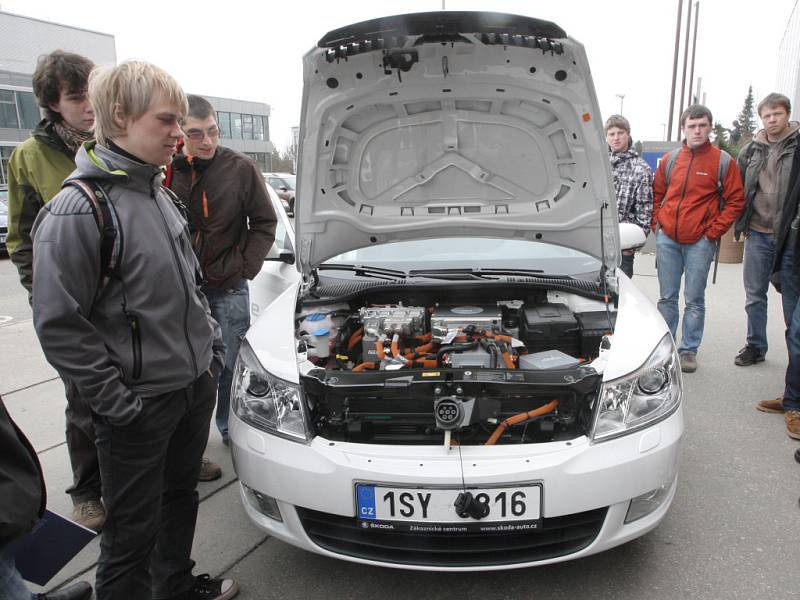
x=449, y=371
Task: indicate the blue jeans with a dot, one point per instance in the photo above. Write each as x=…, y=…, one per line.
x=790, y=297
x=759, y=254
x=231, y=309
x=12, y=587
x=692, y=261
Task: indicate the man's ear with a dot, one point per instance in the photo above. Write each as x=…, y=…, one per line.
x=54, y=107
x=119, y=117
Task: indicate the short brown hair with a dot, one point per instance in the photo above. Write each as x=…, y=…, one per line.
x=775, y=99
x=199, y=107
x=131, y=87
x=696, y=111
x=618, y=121
x=56, y=71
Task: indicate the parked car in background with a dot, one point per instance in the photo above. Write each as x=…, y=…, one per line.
x=283, y=184
x=449, y=371
x=3, y=220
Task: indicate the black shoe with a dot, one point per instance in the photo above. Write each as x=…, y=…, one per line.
x=748, y=356
x=78, y=591
x=205, y=588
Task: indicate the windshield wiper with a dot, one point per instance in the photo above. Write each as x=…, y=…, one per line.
x=364, y=271
x=464, y=274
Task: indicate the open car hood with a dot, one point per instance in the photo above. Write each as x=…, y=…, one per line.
x=451, y=124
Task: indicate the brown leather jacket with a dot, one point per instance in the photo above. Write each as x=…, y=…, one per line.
x=230, y=214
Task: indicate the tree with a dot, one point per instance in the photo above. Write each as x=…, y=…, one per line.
x=280, y=162
x=721, y=138
x=745, y=124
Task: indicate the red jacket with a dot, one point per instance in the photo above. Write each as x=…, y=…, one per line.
x=689, y=208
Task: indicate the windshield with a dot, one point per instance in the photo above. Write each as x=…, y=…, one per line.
x=471, y=253
x=279, y=182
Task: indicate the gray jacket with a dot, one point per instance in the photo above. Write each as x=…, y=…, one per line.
x=147, y=332
x=752, y=158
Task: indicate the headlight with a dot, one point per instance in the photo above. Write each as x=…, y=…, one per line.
x=265, y=401
x=649, y=394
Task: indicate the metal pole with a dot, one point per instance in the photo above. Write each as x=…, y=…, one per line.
x=621, y=99
x=694, y=49
x=685, y=57
x=674, y=70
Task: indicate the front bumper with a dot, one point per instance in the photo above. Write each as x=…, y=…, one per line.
x=582, y=483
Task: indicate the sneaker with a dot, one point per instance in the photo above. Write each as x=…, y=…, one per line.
x=771, y=406
x=792, y=423
x=205, y=588
x=209, y=471
x=748, y=356
x=78, y=591
x=688, y=362
x=89, y=513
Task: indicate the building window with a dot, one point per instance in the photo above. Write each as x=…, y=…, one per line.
x=8, y=110
x=5, y=155
x=247, y=127
x=29, y=114
x=236, y=126
x=224, y=122
x=258, y=128
x=261, y=160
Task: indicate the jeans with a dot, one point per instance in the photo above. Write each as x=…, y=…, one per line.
x=12, y=587
x=231, y=309
x=790, y=298
x=692, y=261
x=80, y=447
x=759, y=253
x=149, y=471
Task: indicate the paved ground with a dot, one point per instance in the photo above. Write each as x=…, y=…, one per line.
x=732, y=531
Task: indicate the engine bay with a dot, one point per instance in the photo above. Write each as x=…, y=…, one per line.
x=516, y=370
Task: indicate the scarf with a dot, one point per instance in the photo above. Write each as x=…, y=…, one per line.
x=72, y=138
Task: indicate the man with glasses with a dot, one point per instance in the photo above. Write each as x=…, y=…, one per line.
x=233, y=227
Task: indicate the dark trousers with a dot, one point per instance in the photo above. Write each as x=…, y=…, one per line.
x=627, y=262
x=149, y=471
x=80, y=446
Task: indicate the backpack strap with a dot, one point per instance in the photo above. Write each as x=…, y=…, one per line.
x=722, y=171
x=671, y=160
x=107, y=224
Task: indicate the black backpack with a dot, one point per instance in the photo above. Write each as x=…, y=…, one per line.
x=111, y=235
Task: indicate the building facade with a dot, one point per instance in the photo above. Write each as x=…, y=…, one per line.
x=788, y=77
x=244, y=126
x=22, y=41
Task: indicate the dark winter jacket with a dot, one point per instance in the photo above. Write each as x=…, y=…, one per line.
x=149, y=331
x=752, y=159
x=790, y=215
x=231, y=217
x=689, y=208
x=22, y=492
x=36, y=171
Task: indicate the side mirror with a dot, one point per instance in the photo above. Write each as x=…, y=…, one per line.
x=283, y=188
x=631, y=236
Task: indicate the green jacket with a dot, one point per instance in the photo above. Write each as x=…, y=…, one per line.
x=36, y=171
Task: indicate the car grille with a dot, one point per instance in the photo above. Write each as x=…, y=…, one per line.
x=558, y=536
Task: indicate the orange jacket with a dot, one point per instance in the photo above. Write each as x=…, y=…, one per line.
x=689, y=208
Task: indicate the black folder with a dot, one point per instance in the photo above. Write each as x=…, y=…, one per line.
x=53, y=542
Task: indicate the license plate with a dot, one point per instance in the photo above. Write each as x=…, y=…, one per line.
x=432, y=510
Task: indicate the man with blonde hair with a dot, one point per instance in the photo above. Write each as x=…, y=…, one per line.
x=134, y=335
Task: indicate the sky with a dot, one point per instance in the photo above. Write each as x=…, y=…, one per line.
x=253, y=50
